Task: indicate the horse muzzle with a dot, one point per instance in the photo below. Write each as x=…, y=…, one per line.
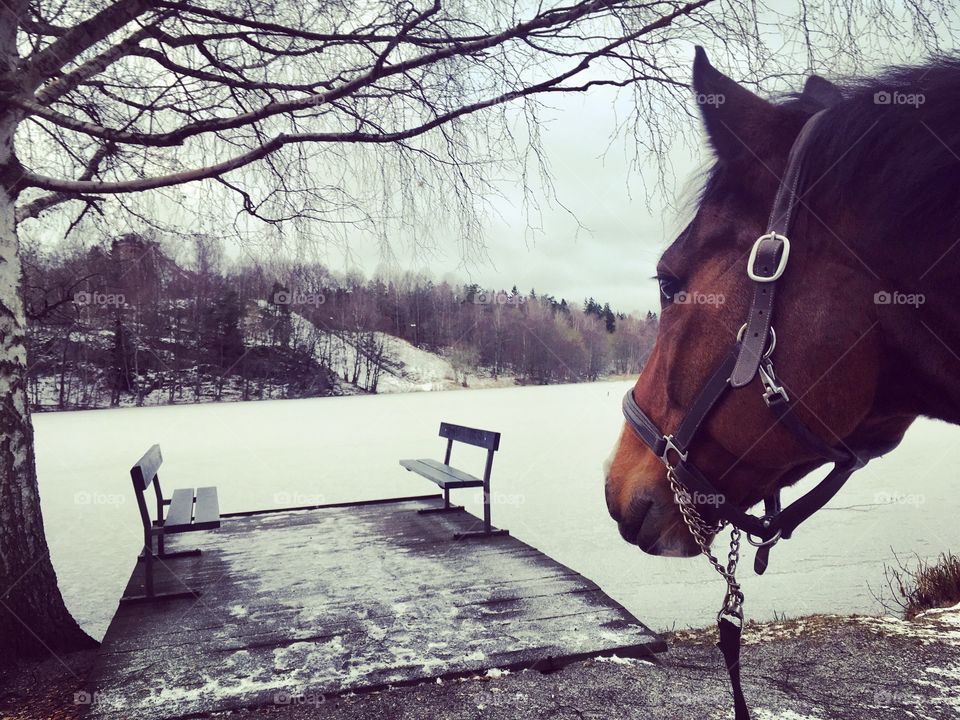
x=652, y=522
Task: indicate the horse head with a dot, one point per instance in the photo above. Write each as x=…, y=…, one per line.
x=875, y=220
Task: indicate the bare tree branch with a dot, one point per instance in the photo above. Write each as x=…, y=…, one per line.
x=86, y=34
x=543, y=21
x=552, y=85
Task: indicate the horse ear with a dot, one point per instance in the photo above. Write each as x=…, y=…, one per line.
x=821, y=91
x=734, y=117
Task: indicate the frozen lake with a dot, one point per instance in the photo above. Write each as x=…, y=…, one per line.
x=547, y=487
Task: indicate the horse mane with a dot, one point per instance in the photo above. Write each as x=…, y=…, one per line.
x=901, y=161
x=889, y=146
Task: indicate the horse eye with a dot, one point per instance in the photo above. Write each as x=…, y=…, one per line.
x=669, y=286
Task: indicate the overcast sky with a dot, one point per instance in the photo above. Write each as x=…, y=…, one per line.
x=612, y=255
x=603, y=235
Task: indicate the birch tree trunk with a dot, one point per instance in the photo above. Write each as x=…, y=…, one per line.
x=33, y=618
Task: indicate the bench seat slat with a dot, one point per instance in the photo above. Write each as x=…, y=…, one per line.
x=443, y=475
x=180, y=514
x=450, y=470
x=207, y=511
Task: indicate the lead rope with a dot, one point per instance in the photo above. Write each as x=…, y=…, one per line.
x=730, y=617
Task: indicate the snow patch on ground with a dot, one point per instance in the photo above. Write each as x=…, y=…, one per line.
x=165, y=696
x=941, y=625
x=775, y=631
x=617, y=660
x=238, y=611
x=950, y=615
x=945, y=681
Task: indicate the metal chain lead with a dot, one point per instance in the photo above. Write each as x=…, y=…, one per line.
x=702, y=531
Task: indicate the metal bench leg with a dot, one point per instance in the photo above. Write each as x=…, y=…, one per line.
x=148, y=557
x=486, y=505
x=162, y=553
x=488, y=530
x=148, y=568
x=447, y=507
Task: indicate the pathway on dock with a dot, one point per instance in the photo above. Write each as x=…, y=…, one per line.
x=298, y=606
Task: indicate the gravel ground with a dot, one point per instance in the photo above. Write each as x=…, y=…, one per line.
x=814, y=668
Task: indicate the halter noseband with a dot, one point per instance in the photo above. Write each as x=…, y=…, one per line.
x=749, y=357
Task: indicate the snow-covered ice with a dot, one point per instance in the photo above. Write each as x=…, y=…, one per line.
x=547, y=478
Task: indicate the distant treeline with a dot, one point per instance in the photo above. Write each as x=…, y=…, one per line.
x=138, y=321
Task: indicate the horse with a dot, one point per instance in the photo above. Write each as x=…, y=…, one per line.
x=865, y=322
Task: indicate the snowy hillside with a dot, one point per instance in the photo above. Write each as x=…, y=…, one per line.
x=419, y=369
x=404, y=367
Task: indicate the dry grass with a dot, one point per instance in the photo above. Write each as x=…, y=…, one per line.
x=923, y=587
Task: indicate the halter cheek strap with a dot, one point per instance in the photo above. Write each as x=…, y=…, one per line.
x=750, y=357
x=768, y=260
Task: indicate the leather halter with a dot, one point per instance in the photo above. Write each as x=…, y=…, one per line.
x=750, y=356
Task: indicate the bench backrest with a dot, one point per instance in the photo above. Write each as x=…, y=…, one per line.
x=146, y=468
x=143, y=473
x=472, y=436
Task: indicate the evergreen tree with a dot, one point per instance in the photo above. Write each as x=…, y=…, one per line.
x=609, y=318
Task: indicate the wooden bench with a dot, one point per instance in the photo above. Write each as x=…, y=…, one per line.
x=186, y=511
x=450, y=478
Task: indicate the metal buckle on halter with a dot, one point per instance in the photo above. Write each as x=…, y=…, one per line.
x=771, y=386
x=781, y=266
x=766, y=520
x=770, y=346
x=668, y=446
x=764, y=543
